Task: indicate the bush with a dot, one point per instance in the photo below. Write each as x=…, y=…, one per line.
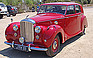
x=79, y=2
x=84, y=1
x=67, y=1
x=20, y=10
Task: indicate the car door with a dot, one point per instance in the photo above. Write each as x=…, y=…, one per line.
x=70, y=21
x=79, y=15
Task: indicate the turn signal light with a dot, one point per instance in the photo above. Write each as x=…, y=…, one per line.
x=0, y=9
x=12, y=9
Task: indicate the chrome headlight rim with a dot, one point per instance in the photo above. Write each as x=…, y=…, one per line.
x=21, y=40
x=15, y=27
x=37, y=29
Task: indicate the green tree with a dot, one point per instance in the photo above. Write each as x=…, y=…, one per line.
x=0, y=0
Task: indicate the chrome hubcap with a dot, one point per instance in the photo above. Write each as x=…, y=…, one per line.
x=54, y=45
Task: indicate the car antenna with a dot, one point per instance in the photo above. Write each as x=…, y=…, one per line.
x=27, y=16
x=11, y=20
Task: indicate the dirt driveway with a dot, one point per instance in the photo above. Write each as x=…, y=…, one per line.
x=76, y=47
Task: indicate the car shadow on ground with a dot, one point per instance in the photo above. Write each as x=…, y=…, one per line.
x=11, y=53
x=70, y=41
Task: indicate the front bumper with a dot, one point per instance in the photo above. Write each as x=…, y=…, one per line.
x=4, y=12
x=29, y=48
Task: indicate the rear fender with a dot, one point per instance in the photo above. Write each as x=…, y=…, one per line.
x=84, y=23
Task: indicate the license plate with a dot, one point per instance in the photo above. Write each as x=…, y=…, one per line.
x=22, y=48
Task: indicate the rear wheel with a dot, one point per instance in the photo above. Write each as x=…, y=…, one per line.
x=83, y=32
x=1, y=16
x=54, y=48
x=14, y=14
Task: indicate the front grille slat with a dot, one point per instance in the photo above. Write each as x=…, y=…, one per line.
x=27, y=31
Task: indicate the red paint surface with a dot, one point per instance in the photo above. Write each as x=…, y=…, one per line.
x=68, y=27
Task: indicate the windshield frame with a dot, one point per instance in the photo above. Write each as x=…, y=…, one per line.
x=53, y=12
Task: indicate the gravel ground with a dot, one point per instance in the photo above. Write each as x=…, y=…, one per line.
x=76, y=47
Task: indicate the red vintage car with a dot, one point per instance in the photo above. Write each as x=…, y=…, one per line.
x=53, y=25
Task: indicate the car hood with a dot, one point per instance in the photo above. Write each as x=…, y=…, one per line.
x=46, y=17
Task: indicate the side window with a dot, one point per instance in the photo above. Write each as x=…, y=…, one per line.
x=70, y=10
x=78, y=9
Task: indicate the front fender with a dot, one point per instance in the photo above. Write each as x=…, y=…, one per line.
x=49, y=34
x=10, y=32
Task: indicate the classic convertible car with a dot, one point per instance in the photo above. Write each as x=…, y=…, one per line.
x=53, y=25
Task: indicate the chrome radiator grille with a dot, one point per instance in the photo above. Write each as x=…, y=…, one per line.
x=27, y=31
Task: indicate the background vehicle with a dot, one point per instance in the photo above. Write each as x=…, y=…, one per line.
x=33, y=9
x=3, y=10
x=37, y=8
x=53, y=25
x=11, y=10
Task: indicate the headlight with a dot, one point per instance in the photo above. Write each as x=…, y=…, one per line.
x=37, y=29
x=21, y=39
x=15, y=27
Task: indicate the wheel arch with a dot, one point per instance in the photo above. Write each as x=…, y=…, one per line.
x=84, y=23
x=60, y=37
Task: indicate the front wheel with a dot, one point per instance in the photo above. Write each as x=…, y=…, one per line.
x=54, y=48
x=14, y=14
x=1, y=16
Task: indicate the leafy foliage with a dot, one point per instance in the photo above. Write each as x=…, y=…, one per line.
x=29, y=3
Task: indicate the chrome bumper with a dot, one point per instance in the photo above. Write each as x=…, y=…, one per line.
x=29, y=47
x=4, y=12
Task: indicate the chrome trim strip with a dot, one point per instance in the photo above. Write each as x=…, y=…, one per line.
x=50, y=20
x=73, y=16
x=60, y=18
x=12, y=44
x=66, y=17
x=28, y=20
x=39, y=49
x=32, y=48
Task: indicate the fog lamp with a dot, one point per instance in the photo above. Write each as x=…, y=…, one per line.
x=15, y=34
x=37, y=37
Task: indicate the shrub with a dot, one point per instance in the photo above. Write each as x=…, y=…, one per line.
x=67, y=1
x=79, y=2
x=84, y=1
x=20, y=10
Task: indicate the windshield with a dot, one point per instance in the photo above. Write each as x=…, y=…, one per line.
x=2, y=5
x=52, y=9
